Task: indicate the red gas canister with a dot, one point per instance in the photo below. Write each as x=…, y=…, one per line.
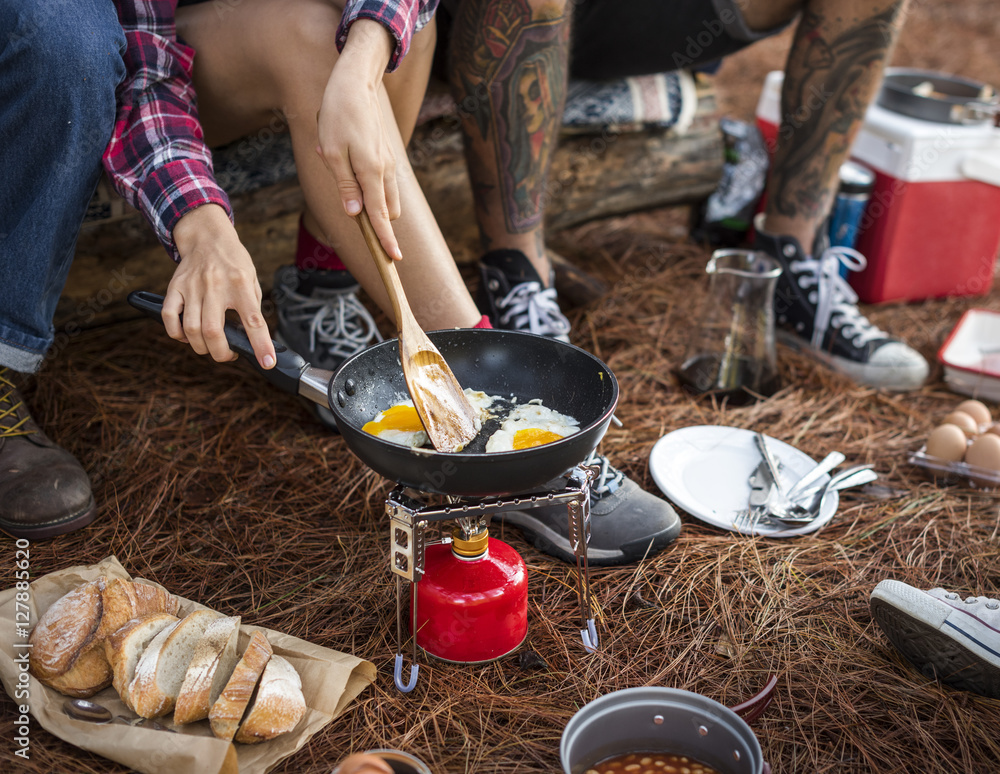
x=472, y=602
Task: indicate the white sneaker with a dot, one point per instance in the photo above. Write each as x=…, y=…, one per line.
x=947, y=638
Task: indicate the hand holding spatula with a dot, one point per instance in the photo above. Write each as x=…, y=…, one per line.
x=448, y=417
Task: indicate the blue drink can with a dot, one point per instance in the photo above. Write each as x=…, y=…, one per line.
x=856, y=184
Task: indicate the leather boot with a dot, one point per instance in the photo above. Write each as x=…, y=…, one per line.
x=44, y=491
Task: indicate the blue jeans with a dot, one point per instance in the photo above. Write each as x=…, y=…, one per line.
x=60, y=63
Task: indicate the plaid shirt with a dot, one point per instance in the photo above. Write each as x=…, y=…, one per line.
x=157, y=157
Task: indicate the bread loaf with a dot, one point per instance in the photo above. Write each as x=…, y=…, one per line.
x=65, y=630
x=68, y=651
x=278, y=706
x=65, y=653
x=210, y=669
x=227, y=711
x=124, y=600
x=161, y=668
x=124, y=647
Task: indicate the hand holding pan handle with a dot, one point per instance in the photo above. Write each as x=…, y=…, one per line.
x=289, y=370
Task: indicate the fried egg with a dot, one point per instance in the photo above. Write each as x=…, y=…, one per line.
x=531, y=424
x=401, y=424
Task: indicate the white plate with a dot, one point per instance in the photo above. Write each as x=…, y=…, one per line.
x=705, y=470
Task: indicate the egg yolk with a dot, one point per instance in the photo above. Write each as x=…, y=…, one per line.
x=402, y=418
x=525, y=439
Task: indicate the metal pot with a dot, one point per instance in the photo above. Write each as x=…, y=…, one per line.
x=401, y=762
x=657, y=719
x=939, y=97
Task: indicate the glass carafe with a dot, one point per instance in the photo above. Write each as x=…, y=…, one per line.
x=731, y=352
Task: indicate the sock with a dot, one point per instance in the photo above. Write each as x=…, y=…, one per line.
x=483, y=324
x=311, y=254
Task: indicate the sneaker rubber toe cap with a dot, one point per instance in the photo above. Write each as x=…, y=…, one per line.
x=895, y=366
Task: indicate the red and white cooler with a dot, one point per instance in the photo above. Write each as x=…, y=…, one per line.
x=932, y=224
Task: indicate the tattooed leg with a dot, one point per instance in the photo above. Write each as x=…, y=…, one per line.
x=507, y=67
x=833, y=71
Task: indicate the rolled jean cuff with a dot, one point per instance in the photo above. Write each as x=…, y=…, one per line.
x=23, y=358
x=731, y=15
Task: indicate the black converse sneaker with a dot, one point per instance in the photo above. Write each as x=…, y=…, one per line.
x=626, y=522
x=816, y=310
x=954, y=640
x=321, y=319
x=512, y=296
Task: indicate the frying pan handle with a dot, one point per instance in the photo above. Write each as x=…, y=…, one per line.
x=287, y=370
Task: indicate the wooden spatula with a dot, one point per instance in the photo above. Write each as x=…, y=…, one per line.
x=448, y=417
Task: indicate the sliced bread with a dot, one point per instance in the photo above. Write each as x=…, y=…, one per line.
x=211, y=667
x=124, y=647
x=278, y=706
x=159, y=674
x=227, y=711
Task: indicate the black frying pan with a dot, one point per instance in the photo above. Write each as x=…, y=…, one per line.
x=506, y=363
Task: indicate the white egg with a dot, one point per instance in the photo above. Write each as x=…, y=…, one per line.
x=401, y=424
x=531, y=424
x=480, y=401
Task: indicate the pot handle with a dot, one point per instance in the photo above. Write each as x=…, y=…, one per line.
x=754, y=707
x=288, y=367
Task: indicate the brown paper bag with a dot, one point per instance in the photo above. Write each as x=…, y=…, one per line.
x=330, y=681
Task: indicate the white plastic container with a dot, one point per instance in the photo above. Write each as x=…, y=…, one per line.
x=971, y=355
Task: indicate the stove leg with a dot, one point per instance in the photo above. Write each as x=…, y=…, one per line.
x=579, y=529
x=397, y=674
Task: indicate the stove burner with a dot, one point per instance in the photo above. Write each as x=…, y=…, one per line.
x=409, y=518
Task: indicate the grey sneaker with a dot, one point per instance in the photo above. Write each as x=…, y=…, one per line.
x=947, y=638
x=626, y=522
x=816, y=310
x=512, y=296
x=321, y=319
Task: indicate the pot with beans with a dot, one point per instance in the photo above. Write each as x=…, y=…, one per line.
x=655, y=730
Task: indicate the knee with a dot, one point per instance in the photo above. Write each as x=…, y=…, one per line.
x=76, y=57
x=311, y=31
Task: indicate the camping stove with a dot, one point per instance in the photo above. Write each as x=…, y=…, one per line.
x=476, y=587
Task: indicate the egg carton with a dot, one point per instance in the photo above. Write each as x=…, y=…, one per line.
x=955, y=472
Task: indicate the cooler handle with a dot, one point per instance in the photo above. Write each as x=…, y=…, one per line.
x=986, y=169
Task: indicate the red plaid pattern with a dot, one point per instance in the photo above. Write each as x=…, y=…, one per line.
x=157, y=158
x=403, y=18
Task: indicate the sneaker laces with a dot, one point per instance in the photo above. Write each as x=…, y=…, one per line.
x=608, y=479
x=987, y=602
x=835, y=300
x=335, y=318
x=14, y=417
x=531, y=307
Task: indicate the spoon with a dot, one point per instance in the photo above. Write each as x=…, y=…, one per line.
x=859, y=476
x=828, y=463
x=448, y=417
x=81, y=709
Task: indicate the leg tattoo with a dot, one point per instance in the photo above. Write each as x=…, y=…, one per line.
x=508, y=74
x=829, y=83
